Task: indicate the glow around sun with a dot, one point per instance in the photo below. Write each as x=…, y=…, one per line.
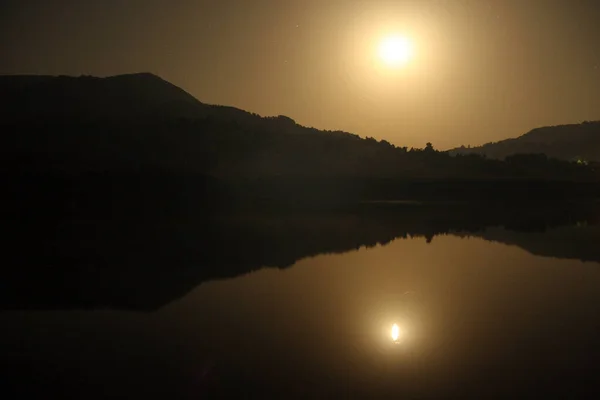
x=396, y=51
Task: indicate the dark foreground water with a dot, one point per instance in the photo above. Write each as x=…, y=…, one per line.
x=488, y=314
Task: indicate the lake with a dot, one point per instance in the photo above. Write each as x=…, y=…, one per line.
x=486, y=312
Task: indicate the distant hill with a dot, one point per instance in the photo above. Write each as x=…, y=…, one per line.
x=123, y=98
x=144, y=120
x=151, y=139
x=575, y=142
x=87, y=97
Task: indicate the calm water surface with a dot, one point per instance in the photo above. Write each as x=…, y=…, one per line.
x=477, y=318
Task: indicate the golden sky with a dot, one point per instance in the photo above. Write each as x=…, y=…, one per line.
x=482, y=70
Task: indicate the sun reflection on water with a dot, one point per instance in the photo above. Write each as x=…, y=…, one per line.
x=396, y=333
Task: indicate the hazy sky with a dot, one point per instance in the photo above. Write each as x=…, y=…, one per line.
x=483, y=70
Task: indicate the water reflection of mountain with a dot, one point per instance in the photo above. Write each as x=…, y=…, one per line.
x=575, y=242
x=146, y=263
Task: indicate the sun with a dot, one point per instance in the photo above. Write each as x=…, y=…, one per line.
x=396, y=51
x=396, y=333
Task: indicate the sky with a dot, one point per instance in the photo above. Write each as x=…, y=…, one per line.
x=481, y=70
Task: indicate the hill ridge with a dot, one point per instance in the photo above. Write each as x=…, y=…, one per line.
x=141, y=121
x=571, y=142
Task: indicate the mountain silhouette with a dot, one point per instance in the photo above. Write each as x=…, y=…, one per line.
x=575, y=142
x=76, y=125
x=89, y=98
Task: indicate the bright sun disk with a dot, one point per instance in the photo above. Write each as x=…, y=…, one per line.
x=396, y=51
